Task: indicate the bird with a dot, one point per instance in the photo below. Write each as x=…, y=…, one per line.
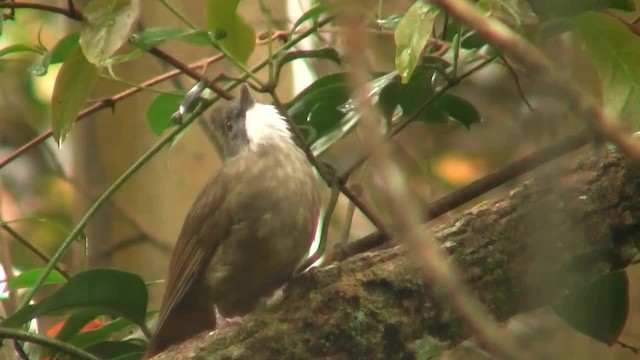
x=248, y=229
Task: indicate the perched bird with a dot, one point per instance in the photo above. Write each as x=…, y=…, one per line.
x=248, y=229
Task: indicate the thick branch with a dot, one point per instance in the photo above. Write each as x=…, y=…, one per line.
x=518, y=253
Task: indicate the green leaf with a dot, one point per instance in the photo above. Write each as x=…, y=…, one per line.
x=110, y=291
x=119, y=59
x=116, y=349
x=459, y=109
x=326, y=94
x=413, y=97
x=326, y=109
x=411, y=36
x=239, y=37
x=328, y=53
x=160, y=110
x=11, y=49
x=76, y=322
x=103, y=333
x=312, y=14
x=410, y=96
x=598, y=309
x=74, y=82
x=28, y=278
x=106, y=27
x=152, y=37
x=325, y=53
x=64, y=47
x=615, y=51
x=41, y=66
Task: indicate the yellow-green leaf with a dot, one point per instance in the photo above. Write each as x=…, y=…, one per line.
x=411, y=36
x=240, y=38
x=615, y=51
x=74, y=82
x=106, y=27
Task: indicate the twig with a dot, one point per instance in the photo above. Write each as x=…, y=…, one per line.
x=584, y=106
x=22, y=355
x=426, y=253
x=26, y=243
x=516, y=80
x=106, y=103
x=185, y=69
x=48, y=342
x=72, y=9
x=43, y=7
x=467, y=193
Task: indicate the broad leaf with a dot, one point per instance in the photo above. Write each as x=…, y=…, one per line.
x=28, y=279
x=415, y=100
x=599, y=309
x=239, y=37
x=411, y=36
x=324, y=96
x=74, y=83
x=103, y=333
x=76, y=322
x=325, y=54
x=615, y=51
x=106, y=27
x=63, y=48
x=459, y=109
x=111, y=291
x=160, y=110
x=324, y=109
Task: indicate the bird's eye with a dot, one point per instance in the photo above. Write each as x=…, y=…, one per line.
x=229, y=125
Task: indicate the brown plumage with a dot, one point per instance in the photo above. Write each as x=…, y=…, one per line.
x=247, y=230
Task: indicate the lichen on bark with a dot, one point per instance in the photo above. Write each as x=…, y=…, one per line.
x=550, y=234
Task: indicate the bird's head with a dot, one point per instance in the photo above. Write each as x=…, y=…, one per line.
x=246, y=125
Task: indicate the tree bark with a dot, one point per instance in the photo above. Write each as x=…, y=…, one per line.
x=521, y=252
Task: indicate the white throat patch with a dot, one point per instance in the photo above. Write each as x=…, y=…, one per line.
x=264, y=124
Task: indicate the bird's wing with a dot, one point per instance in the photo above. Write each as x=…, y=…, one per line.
x=203, y=229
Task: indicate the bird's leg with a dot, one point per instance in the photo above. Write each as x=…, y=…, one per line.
x=223, y=323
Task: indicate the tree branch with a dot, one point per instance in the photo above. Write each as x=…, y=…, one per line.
x=552, y=234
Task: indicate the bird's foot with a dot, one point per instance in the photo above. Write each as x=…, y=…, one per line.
x=226, y=324
x=231, y=322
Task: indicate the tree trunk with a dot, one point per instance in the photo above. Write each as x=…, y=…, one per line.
x=518, y=253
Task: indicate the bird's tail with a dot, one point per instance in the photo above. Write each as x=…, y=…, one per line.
x=182, y=323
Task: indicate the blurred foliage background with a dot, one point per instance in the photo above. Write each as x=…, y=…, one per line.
x=44, y=192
